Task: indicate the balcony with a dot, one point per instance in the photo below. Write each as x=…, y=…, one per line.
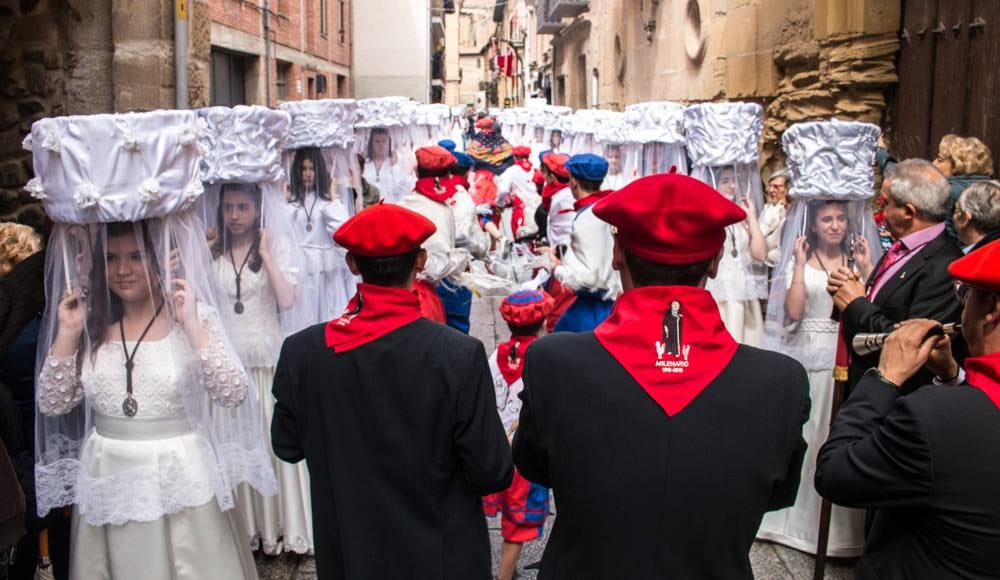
x=437, y=27
x=547, y=24
x=567, y=8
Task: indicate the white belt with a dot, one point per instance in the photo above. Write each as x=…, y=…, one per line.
x=130, y=428
x=818, y=325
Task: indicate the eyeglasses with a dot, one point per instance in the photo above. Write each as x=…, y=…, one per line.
x=961, y=291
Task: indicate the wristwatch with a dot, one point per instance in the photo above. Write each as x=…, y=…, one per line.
x=877, y=375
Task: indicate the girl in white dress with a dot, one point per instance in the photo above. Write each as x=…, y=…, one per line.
x=810, y=335
x=328, y=284
x=384, y=169
x=257, y=279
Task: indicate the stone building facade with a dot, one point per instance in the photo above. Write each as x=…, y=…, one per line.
x=801, y=59
x=77, y=57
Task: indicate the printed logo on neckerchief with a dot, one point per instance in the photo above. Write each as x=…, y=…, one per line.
x=510, y=357
x=983, y=372
x=439, y=189
x=373, y=312
x=670, y=339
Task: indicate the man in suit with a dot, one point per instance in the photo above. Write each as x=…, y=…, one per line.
x=911, y=280
x=926, y=461
x=396, y=418
x=662, y=461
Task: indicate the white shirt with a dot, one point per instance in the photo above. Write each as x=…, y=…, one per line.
x=561, y=214
x=586, y=265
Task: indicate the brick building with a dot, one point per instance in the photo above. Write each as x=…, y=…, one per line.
x=268, y=51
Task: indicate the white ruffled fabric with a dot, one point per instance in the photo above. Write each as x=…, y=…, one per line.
x=434, y=114
x=723, y=133
x=243, y=144
x=656, y=122
x=385, y=112
x=97, y=168
x=323, y=123
x=832, y=159
x=613, y=129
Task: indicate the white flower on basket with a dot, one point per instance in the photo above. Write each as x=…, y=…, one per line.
x=189, y=135
x=51, y=142
x=149, y=190
x=86, y=195
x=131, y=143
x=194, y=190
x=28, y=143
x=34, y=187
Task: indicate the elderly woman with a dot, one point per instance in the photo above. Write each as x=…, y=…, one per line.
x=977, y=215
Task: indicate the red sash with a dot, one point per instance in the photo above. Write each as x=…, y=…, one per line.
x=671, y=339
x=373, y=312
x=983, y=372
x=585, y=202
x=439, y=189
x=548, y=191
x=512, y=369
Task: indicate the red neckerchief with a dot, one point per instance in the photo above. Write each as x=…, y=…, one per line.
x=674, y=365
x=587, y=201
x=983, y=372
x=437, y=188
x=517, y=216
x=549, y=190
x=525, y=165
x=373, y=312
x=462, y=180
x=511, y=370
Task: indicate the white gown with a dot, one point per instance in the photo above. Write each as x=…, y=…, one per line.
x=145, y=501
x=393, y=180
x=328, y=283
x=281, y=522
x=738, y=290
x=797, y=526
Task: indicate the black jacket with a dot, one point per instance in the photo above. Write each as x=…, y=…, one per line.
x=646, y=496
x=928, y=462
x=401, y=437
x=921, y=289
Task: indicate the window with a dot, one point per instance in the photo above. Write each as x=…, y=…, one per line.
x=228, y=79
x=342, y=31
x=342, y=87
x=284, y=71
x=323, y=26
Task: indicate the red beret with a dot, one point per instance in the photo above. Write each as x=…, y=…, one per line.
x=979, y=268
x=526, y=307
x=484, y=123
x=522, y=151
x=669, y=218
x=384, y=229
x=434, y=158
x=556, y=163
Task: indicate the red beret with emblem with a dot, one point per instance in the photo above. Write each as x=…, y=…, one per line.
x=484, y=123
x=669, y=218
x=384, y=229
x=434, y=158
x=979, y=268
x=556, y=163
x=521, y=151
x=526, y=307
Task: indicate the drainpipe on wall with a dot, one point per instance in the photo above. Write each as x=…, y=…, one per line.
x=267, y=53
x=181, y=53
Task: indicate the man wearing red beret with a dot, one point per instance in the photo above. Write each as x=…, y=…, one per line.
x=663, y=440
x=395, y=417
x=429, y=198
x=516, y=190
x=557, y=199
x=926, y=460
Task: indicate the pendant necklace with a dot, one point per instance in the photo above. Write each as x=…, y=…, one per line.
x=309, y=213
x=238, y=307
x=822, y=265
x=732, y=236
x=130, y=406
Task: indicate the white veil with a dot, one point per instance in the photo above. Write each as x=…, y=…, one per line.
x=831, y=164
x=122, y=191
x=658, y=129
x=392, y=117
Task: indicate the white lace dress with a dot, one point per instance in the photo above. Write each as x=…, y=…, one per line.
x=738, y=288
x=281, y=522
x=797, y=526
x=145, y=500
x=328, y=283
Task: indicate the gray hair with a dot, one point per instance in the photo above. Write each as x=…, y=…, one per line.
x=982, y=201
x=781, y=174
x=918, y=182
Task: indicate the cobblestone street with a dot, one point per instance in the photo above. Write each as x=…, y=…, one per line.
x=770, y=562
